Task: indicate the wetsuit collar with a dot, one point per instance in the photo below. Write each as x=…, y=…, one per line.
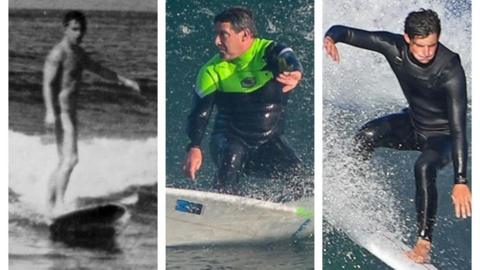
x=416, y=62
x=245, y=58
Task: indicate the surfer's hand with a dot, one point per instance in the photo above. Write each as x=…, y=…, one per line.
x=462, y=200
x=331, y=49
x=132, y=85
x=192, y=162
x=129, y=83
x=289, y=79
x=49, y=120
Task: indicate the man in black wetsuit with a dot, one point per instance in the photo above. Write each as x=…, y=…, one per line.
x=433, y=81
x=248, y=81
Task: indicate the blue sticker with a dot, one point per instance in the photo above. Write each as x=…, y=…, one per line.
x=189, y=207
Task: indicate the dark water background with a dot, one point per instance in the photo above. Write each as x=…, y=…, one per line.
x=189, y=45
x=117, y=140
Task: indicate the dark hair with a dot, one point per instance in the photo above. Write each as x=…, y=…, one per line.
x=77, y=16
x=422, y=23
x=240, y=17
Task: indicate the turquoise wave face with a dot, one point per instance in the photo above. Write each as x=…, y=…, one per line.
x=190, y=44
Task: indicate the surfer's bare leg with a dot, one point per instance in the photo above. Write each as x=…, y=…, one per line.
x=68, y=158
x=51, y=189
x=420, y=253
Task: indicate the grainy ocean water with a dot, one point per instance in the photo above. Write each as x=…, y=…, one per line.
x=189, y=45
x=117, y=140
x=363, y=87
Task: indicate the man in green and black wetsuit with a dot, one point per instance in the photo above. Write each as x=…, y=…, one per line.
x=433, y=82
x=248, y=81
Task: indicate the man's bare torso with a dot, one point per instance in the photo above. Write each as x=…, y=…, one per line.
x=70, y=62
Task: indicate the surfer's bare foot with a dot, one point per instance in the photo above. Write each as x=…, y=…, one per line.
x=51, y=196
x=420, y=252
x=58, y=210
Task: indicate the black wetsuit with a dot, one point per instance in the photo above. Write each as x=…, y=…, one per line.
x=247, y=134
x=434, y=123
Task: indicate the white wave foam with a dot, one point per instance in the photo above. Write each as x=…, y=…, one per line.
x=106, y=166
x=364, y=77
x=360, y=88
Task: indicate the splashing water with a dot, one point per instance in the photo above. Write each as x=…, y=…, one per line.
x=108, y=165
x=361, y=198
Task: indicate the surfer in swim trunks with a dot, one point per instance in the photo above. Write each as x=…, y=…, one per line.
x=62, y=74
x=433, y=81
x=248, y=81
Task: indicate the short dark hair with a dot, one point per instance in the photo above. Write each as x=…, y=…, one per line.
x=240, y=17
x=422, y=23
x=77, y=16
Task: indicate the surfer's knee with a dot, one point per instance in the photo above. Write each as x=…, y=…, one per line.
x=425, y=170
x=365, y=141
x=229, y=171
x=70, y=161
x=73, y=161
x=227, y=181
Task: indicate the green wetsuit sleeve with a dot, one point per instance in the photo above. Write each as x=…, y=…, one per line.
x=379, y=41
x=207, y=81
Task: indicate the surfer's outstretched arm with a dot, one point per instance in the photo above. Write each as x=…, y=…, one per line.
x=285, y=65
x=110, y=75
x=196, y=126
x=379, y=41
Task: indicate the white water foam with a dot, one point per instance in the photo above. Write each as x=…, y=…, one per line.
x=106, y=166
x=359, y=89
x=373, y=81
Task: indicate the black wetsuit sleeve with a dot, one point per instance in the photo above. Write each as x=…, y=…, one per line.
x=379, y=41
x=455, y=87
x=198, y=119
x=281, y=58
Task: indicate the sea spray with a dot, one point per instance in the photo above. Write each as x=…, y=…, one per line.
x=377, y=196
x=106, y=166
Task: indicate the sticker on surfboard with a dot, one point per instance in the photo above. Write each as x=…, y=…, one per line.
x=188, y=207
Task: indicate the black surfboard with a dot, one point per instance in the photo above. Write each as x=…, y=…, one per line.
x=91, y=222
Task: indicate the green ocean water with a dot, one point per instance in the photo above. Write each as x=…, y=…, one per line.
x=189, y=45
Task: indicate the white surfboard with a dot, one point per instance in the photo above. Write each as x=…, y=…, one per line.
x=390, y=250
x=197, y=217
